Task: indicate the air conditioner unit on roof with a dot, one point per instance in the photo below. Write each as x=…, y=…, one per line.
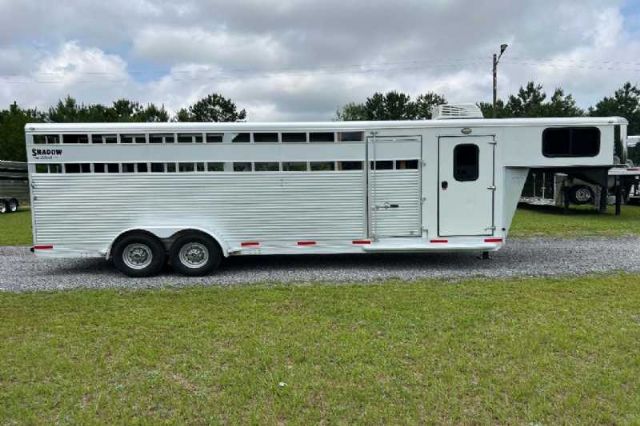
x=446, y=112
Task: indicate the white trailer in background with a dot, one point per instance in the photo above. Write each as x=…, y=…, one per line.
x=14, y=186
x=194, y=193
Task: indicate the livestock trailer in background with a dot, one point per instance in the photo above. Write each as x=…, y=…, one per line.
x=564, y=189
x=14, y=186
x=194, y=193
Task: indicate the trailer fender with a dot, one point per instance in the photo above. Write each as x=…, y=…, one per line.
x=166, y=233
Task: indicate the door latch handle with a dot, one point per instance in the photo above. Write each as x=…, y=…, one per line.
x=444, y=185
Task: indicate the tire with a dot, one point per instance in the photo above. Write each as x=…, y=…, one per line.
x=4, y=207
x=195, y=254
x=139, y=255
x=13, y=205
x=581, y=194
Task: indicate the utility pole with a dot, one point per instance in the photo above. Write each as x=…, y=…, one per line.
x=496, y=60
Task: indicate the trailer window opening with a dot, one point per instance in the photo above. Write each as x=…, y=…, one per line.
x=75, y=138
x=466, y=162
x=99, y=167
x=104, y=138
x=382, y=165
x=186, y=167
x=322, y=166
x=132, y=138
x=406, y=164
x=214, y=137
x=349, y=165
x=42, y=168
x=171, y=167
x=157, y=167
x=294, y=137
x=142, y=168
x=322, y=137
x=160, y=138
x=571, y=142
x=242, y=167
x=350, y=136
x=189, y=137
x=113, y=168
x=294, y=166
x=77, y=168
x=215, y=167
x=241, y=138
x=199, y=167
x=128, y=167
x=267, y=167
x=265, y=137
x=46, y=139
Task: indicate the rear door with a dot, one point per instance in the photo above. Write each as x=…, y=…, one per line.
x=466, y=185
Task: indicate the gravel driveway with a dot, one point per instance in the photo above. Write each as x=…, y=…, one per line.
x=21, y=271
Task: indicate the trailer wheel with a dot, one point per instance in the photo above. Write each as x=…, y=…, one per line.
x=13, y=205
x=581, y=194
x=195, y=254
x=138, y=255
x=4, y=207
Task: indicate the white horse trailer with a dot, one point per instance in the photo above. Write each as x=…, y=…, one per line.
x=194, y=193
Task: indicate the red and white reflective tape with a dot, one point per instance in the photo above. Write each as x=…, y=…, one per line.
x=306, y=243
x=361, y=242
x=439, y=241
x=43, y=247
x=250, y=244
x=493, y=240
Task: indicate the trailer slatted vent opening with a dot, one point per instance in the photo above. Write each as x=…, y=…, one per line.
x=265, y=137
x=294, y=137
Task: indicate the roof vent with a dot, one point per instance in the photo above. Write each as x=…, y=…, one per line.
x=446, y=112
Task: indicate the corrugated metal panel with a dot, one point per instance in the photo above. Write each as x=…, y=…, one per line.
x=88, y=211
x=396, y=187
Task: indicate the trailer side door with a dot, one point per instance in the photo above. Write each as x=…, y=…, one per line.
x=466, y=186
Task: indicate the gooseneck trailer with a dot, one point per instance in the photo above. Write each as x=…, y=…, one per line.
x=191, y=194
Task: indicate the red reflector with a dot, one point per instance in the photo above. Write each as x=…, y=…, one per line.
x=361, y=242
x=44, y=247
x=250, y=244
x=439, y=241
x=306, y=243
x=493, y=240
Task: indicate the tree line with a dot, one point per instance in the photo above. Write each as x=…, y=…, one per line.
x=213, y=107
x=530, y=101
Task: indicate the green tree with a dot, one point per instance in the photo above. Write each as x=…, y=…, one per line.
x=391, y=106
x=68, y=110
x=214, y=108
x=12, y=122
x=531, y=101
x=625, y=102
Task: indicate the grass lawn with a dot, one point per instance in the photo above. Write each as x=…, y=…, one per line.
x=15, y=228
x=543, y=351
x=532, y=221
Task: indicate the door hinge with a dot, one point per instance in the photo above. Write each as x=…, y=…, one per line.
x=493, y=142
x=490, y=228
x=491, y=188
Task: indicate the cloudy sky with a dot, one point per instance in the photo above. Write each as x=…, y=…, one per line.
x=302, y=59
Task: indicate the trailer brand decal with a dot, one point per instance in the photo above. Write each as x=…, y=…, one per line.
x=45, y=153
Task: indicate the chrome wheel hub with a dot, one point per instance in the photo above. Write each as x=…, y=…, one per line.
x=194, y=255
x=137, y=256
